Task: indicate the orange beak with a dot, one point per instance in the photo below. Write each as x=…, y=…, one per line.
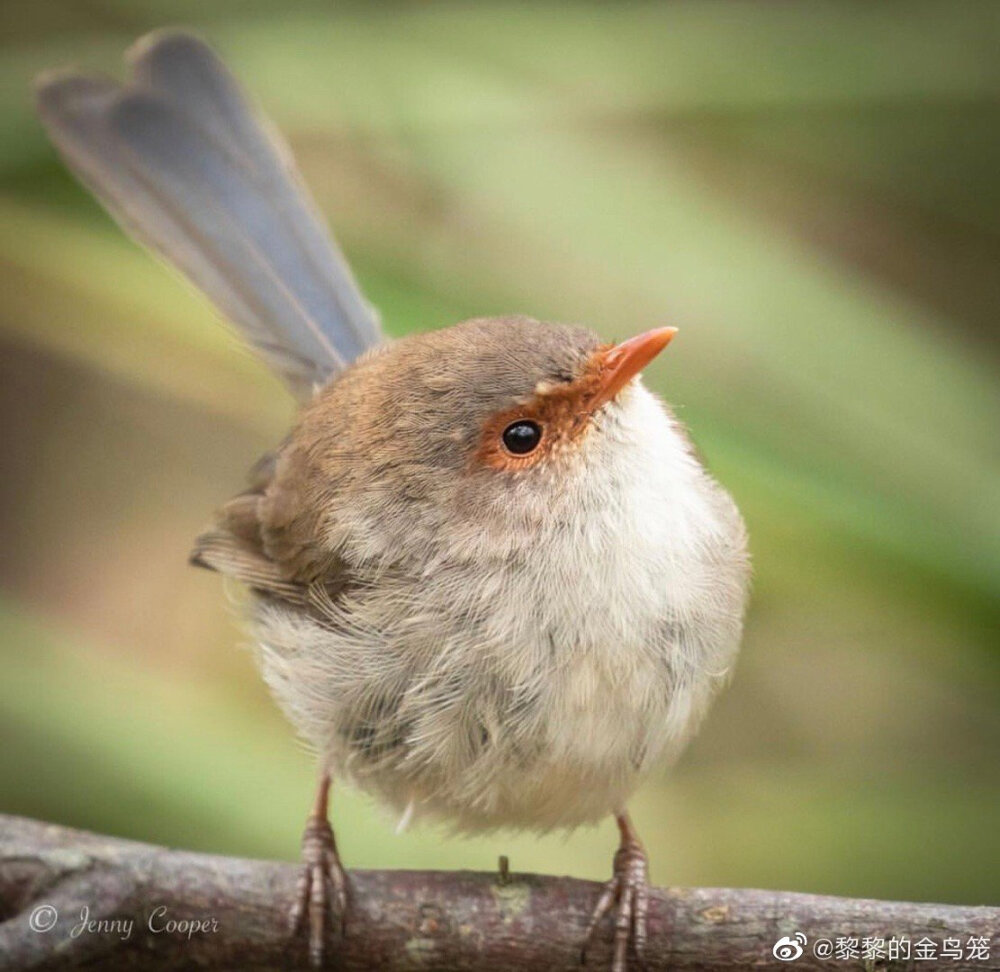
x=624, y=361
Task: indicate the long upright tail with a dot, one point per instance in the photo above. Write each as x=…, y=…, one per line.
x=189, y=168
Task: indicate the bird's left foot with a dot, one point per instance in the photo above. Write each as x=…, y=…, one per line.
x=626, y=897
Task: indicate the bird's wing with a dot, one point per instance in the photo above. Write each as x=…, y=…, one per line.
x=264, y=538
x=235, y=546
x=189, y=168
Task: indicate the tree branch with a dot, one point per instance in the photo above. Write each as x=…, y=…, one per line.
x=152, y=908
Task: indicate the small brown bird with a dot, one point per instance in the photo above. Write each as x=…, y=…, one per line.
x=492, y=583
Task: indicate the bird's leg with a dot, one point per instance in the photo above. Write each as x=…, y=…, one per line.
x=626, y=895
x=322, y=886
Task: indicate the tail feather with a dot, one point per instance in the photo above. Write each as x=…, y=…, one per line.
x=188, y=168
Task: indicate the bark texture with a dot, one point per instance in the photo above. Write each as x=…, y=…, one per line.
x=154, y=908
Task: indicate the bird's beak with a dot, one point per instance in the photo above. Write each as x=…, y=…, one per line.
x=622, y=362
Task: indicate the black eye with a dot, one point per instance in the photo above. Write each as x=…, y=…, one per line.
x=522, y=437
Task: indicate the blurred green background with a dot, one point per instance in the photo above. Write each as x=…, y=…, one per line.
x=810, y=191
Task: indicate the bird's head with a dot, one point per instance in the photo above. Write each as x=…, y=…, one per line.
x=491, y=424
x=546, y=423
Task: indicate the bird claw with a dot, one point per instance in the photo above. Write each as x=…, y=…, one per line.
x=627, y=895
x=321, y=891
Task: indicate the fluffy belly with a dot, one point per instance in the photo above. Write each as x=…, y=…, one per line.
x=527, y=737
x=599, y=731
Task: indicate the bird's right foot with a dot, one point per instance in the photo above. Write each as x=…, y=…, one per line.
x=321, y=893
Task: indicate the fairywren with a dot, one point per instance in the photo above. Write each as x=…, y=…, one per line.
x=491, y=581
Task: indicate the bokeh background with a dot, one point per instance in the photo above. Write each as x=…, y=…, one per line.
x=810, y=191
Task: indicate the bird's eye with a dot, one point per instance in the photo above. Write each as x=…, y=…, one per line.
x=522, y=437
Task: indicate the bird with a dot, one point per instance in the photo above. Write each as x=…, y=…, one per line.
x=490, y=580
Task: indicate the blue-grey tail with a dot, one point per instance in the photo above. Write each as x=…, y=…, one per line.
x=188, y=167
